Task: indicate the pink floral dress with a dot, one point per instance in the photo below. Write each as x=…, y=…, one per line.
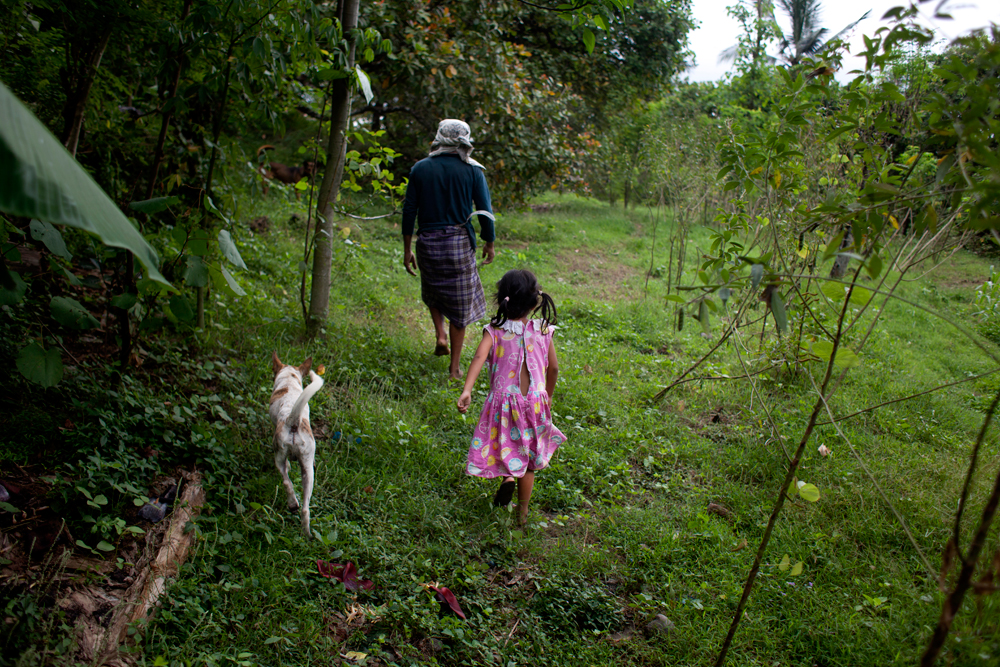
x=515, y=432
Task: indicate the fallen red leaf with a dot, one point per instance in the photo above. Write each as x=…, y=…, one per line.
x=346, y=574
x=326, y=569
x=368, y=489
x=444, y=595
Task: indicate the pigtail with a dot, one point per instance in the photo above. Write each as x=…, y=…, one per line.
x=548, y=310
x=501, y=315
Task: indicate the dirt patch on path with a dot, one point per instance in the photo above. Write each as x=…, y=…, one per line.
x=603, y=274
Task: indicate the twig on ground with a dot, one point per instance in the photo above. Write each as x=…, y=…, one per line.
x=511, y=634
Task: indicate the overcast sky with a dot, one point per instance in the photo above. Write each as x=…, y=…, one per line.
x=716, y=30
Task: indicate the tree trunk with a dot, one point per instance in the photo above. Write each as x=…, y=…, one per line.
x=124, y=322
x=217, y=130
x=200, y=305
x=80, y=77
x=168, y=114
x=340, y=115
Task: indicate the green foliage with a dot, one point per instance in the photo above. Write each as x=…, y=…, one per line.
x=987, y=306
x=45, y=182
x=754, y=76
x=71, y=314
x=50, y=236
x=649, y=507
x=39, y=365
x=572, y=604
x=963, y=121
x=619, y=529
x=523, y=78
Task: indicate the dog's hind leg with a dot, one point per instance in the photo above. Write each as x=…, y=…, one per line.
x=307, y=489
x=281, y=462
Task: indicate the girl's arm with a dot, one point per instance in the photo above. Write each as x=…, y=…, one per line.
x=482, y=352
x=552, y=371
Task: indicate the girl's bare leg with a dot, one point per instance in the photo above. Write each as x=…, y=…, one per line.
x=524, y=486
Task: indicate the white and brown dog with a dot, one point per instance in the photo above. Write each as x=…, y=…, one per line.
x=293, y=437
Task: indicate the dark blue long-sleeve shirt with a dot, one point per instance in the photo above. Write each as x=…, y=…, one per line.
x=444, y=191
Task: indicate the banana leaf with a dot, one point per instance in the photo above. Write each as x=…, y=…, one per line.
x=40, y=179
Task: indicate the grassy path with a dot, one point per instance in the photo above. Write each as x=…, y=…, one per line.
x=648, y=508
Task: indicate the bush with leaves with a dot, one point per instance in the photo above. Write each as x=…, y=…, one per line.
x=868, y=216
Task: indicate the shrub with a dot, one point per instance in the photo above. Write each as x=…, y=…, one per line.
x=571, y=603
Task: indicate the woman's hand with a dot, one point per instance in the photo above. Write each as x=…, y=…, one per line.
x=464, y=401
x=410, y=262
x=488, y=253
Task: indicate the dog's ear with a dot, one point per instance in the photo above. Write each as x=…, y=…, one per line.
x=276, y=362
x=306, y=365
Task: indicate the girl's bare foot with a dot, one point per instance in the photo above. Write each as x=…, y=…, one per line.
x=520, y=516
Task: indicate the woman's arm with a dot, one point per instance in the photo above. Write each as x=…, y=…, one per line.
x=411, y=205
x=481, y=198
x=552, y=370
x=482, y=352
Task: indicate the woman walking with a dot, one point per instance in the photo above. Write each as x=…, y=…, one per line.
x=446, y=189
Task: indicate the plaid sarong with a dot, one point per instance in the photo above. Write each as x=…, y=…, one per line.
x=449, y=280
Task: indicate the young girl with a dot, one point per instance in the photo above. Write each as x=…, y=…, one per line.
x=515, y=436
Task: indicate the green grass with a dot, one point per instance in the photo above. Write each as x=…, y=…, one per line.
x=620, y=528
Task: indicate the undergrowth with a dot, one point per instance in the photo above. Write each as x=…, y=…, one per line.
x=648, y=508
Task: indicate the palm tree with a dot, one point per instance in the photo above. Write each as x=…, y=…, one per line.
x=806, y=36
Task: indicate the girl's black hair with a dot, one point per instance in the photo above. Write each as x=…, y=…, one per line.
x=518, y=294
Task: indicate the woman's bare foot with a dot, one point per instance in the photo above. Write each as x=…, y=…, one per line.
x=456, y=374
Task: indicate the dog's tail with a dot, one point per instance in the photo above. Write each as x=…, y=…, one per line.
x=263, y=148
x=300, y=403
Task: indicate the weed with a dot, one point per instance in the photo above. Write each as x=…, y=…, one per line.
x=569, y=603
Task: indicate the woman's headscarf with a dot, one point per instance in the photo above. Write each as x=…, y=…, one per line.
x=454, y=136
